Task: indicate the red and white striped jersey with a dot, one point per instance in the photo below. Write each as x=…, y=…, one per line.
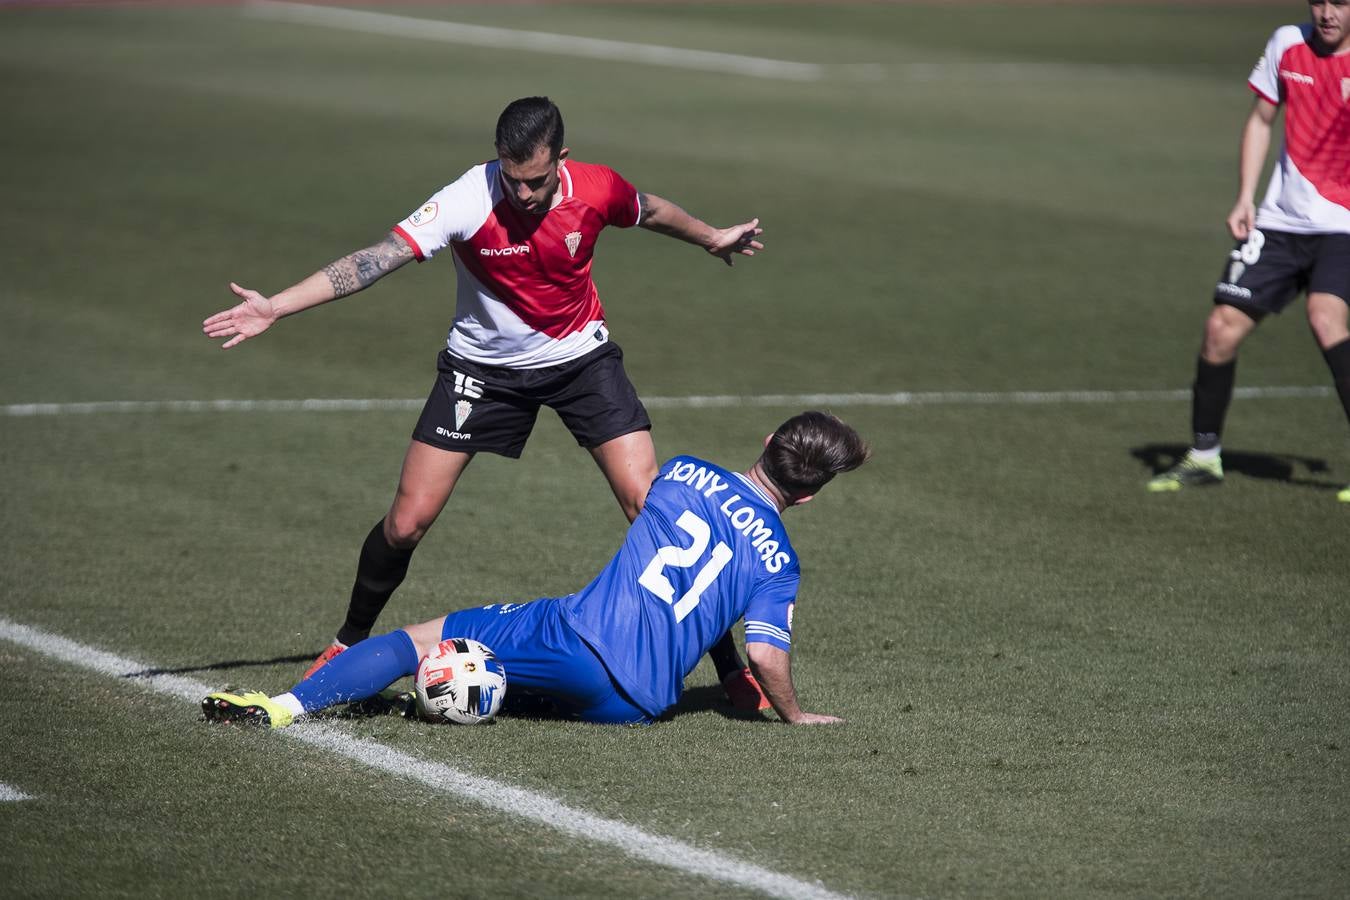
x=1309, y=190
x=525, y=294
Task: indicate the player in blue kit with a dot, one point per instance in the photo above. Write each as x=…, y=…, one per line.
x=708, y=549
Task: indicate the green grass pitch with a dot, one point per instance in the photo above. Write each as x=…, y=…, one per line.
x=1055, y=683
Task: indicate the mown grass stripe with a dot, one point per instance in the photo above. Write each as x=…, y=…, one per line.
x=444, y=779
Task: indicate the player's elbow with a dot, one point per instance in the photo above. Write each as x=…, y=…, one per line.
x=766, y=659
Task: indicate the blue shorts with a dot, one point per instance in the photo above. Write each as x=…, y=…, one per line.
x=542, y=655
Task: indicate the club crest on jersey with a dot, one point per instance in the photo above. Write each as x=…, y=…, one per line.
x=573, y=239
x=462, y=410
x=425, y=214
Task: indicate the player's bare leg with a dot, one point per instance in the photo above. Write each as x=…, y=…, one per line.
x=428, y=478
x=1225, y=330
x=1329, y=318
x=629, y=464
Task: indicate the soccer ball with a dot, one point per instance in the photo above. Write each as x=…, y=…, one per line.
x=460, y=681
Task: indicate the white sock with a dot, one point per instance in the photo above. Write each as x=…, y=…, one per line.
x=288, y=702
x=1206, y=455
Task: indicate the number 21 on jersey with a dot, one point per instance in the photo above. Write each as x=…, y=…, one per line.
x=654, y=579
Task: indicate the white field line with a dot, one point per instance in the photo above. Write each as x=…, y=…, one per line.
x=515, y=40
x=542, y=42
x=9, y=794
x=712, y=401
x=444, y=779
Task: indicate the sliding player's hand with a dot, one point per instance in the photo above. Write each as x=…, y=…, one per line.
x=807, y=718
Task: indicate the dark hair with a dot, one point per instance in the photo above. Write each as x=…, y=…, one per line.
x=810, y=449
x=527, y=124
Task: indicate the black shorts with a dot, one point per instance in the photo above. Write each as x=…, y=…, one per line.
x=1269, y=269
x=473, y=407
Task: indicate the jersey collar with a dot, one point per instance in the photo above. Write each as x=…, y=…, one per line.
x=757, y=489
x=564, y=180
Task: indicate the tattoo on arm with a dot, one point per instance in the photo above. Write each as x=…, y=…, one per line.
x=340, y=278
x=363, y=268
x=644, y=207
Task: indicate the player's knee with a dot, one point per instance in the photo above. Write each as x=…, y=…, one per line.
x=1223, y=335
x=1328, y=332
x=405, y=528
x=1328, y=323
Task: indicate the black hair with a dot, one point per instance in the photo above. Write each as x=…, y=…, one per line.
x=810, y=449
x=525, y=125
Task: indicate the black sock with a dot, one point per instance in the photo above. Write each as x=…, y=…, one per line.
x=1338, y=360
x=1210, y=394
x=726, y=659
x=381, y=569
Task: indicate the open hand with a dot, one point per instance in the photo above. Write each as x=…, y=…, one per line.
x=728, y=242
x=807, y=718
x=248, y=319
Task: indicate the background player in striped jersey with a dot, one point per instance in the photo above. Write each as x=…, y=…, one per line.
x=1299, y=239
x=707, y=549
x=529, y=330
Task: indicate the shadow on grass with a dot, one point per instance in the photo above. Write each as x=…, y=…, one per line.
x=536, y=706
x=705, y=698
x=519, y=704
x=1286, y=467
x=226, y=664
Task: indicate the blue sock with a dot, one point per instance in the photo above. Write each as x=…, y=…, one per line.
x=359, y=672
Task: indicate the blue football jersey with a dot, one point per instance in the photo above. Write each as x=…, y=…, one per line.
x=708, y=548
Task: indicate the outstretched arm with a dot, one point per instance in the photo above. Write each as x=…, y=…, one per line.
x=773, y=668
x=664, y=217
x=1251, y=159
x=352, y=273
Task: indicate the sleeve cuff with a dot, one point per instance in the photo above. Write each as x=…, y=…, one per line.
x=1262, y=94
x=417, y=250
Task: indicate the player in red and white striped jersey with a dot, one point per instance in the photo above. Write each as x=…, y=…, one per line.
x=529, y=330
x=1299, y=237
